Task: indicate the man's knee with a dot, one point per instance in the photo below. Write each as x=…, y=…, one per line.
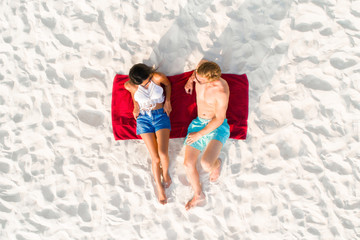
x=190, y=164
x=206, y=163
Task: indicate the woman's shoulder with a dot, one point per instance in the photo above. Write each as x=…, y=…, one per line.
x=128, y=85
x=158, y=77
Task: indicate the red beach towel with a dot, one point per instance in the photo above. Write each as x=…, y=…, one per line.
x=183, y=107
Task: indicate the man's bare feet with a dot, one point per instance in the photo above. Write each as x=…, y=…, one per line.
x=195, y=201
x=162, y=196
x=214, y=174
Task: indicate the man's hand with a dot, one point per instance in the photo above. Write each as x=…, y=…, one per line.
x=193, y=137
x=189, y=86
x=136, y=111
x=167, y=108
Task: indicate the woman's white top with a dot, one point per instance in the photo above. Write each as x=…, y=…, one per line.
x=147, y=98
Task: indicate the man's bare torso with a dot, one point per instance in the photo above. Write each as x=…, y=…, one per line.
x=206, y=97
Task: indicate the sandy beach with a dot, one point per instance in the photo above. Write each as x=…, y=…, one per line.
x=64, y=177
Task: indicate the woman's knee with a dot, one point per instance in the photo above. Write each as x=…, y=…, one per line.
x=164, y=155
x=155, y=159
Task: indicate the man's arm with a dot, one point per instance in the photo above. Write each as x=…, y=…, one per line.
x=221, y=105
x=222, y=100
x=189, y=86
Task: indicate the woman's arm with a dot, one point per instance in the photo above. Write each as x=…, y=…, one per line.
x=131, y=88
x=160, y=78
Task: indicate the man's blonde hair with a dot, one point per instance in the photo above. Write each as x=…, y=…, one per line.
x=209, y=70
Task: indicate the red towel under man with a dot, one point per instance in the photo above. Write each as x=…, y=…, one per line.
x=183, y=107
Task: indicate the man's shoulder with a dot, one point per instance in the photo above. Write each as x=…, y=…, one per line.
x=221, y=85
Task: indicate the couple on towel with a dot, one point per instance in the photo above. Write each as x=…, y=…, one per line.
x=207, y=133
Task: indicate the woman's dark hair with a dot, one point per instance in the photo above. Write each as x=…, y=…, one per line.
x=140, y=72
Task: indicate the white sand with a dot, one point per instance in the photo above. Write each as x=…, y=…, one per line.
x=63, y=176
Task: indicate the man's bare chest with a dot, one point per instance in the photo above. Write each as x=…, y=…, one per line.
x=206, y=96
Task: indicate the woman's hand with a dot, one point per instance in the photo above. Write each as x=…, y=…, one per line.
x=193, y=137
x=189, y=86
x=167, y=108
x=136, y=111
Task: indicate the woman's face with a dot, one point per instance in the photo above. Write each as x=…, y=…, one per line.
x=146, y=81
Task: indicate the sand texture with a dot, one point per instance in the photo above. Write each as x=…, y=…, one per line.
x=64, y=177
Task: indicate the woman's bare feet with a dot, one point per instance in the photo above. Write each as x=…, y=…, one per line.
x=166, y=179
x=195, y=201
x=214, y=174
x=162, y=196
x=167, y=183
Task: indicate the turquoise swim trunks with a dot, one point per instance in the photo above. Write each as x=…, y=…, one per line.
x=222, y=133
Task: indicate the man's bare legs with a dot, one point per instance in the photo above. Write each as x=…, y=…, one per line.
x=210, y=160
x=162, y=136
x=152, y=146
x=191, y=155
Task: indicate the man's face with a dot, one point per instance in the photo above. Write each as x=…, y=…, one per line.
x=201, y=80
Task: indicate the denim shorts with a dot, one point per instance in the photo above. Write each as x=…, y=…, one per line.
x=222, y=133
x=152, y=121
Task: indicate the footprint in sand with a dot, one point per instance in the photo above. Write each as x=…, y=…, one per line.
x=69, y=209
x=50, y=22
x=83, y=212
x=49, y=214
x=64, y=40
x=92, y=117
x=315, y=83
x=47, y=193
x=342, y=63
x=91, y=73
x=4, y=166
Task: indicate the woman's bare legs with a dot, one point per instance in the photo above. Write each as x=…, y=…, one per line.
x=162, y=137
x=152, y=146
